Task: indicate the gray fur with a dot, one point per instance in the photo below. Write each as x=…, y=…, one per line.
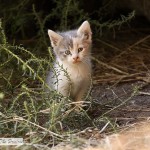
x=72, y=71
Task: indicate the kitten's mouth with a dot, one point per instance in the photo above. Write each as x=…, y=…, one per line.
x=76, y=61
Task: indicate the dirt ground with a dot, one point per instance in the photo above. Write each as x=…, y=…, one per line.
x=121, y=74
x=121, y=103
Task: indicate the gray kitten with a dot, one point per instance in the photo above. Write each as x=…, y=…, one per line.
x=72, y=67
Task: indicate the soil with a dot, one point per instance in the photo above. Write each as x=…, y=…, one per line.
x=122, y=102
x=121, y=89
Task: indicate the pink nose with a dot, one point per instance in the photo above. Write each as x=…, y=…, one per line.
x=75, y=58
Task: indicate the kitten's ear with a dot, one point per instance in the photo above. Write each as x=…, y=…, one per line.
x=85, y=31
x=55, y=38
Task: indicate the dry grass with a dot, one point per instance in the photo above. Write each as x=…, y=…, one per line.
x=133, y=137
x=131, y=63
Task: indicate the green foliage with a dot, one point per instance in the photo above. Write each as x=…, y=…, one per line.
x=112, y=24
x=25, y=22
x=71, y=14
x=25, y=105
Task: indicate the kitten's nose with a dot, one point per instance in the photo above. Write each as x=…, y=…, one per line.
x=75, y=58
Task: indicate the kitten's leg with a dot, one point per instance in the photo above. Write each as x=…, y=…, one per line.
x=80, y=97
x=63, y=90
x=82, y=92
x=64, y=87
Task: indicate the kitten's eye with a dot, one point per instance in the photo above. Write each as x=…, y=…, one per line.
x=67, y=52
x=80, y=49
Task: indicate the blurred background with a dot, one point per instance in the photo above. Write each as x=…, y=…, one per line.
x=26, y=21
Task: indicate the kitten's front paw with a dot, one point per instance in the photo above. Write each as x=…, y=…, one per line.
x=78, y=109
x=79, y=106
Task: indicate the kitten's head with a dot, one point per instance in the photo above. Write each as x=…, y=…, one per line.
x=72, y=46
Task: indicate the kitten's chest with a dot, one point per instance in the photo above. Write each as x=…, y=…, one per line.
x=76, y=74
x=79, y=74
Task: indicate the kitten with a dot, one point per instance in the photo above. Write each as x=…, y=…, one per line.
x=72, y=67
